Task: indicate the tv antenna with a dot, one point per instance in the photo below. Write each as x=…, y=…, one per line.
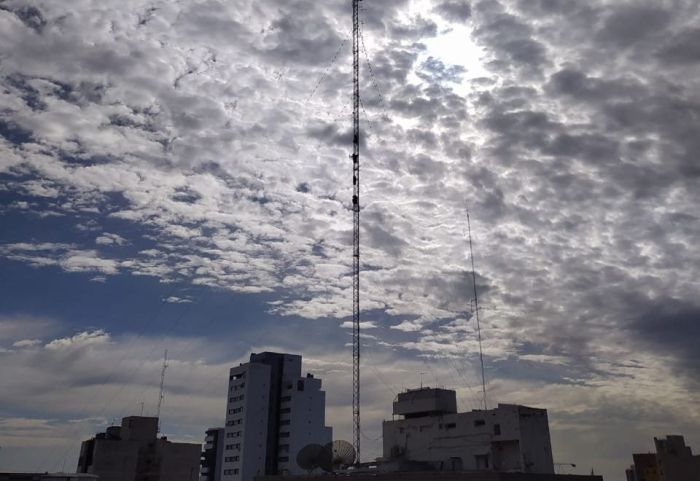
x=476, y=311
x=162, y=382
x=356, y=227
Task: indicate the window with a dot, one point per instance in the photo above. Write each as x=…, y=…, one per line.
x=231, y=459
x=300, y=385
x=285, y=410
x=286, y=398
x=229, y=447
x=235, y=471
x=283, y=459
x=229, y=423
x=285, y=422
x=450, y=425
x=228, y=472
x=230, y=435
x=479, y=422
x=284, y=448
x=284, y=435
x=497, y=429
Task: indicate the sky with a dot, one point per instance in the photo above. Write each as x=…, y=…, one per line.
x=175, y=174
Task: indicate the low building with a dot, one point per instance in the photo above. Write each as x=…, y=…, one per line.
x=212, y=455
x=47, y=477
x=133, y=452
x=436, y=476
x=509, y=438
x=672, y=461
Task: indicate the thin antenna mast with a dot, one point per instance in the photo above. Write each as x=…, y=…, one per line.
x=162, y=382
x=476, y=311
x=356, y=228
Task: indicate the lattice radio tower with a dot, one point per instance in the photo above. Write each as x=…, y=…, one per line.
x=162, y=384
x=356, y=227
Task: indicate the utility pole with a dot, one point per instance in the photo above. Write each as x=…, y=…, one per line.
x=356, y=228
x=162, y=382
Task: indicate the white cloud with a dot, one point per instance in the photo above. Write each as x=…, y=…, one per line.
x=26, y=343
x=177, y=300
x=82, y=339
x=110, y=239
x=363, y=325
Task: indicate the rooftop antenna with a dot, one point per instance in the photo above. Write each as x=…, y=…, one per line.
x=162, y=382
x=356, y=228
x=476, y=312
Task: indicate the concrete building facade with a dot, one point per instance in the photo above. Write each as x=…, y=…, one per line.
x=133, y=452
x=212, y=455
x=672, y=461
x=509, y=438
x=271, y=414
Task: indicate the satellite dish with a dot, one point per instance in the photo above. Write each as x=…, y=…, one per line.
x=310, y=457
x=342, y=453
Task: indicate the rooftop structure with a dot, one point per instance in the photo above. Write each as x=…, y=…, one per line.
x=133, y=452
x=509, y=438
x=673, y=461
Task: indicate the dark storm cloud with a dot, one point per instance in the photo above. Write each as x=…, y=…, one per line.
x=454, y=10
x=682, y=49
x=630, y=25
x=29, y=15
x=671, y=327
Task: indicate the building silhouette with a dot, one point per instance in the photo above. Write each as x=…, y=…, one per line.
x=212, y=455
x=271, y=414
x=133, y=452
x=509, y=438
x=672, y=461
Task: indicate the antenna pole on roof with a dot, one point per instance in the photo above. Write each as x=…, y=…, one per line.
x=162, y=382
x=476, y=312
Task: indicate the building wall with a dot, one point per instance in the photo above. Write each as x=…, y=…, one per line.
x=675, y=460
x=246, y=422
x=535, y=440
x=497, y=439
x=212, y=455
x=114, y=460
x=307, y=404
x=272, y=412
x=132, y=452
x=178, y=461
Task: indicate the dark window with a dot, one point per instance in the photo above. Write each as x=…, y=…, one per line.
x=497, y=429
x=300, y=385
x=284, y=435
x=450, y=425
x=286, y=398
x=285, y=410
x=283, y=459
x=479, y=422
x=285, y=422
x=284, y=448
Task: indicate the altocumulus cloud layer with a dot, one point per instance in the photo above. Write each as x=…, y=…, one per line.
x=218, y=133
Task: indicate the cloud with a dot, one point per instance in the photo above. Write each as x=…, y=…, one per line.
x=110, y=239
x=82, y=339
x=363, y=325
x=26, y=343
x=177, y=300
x=214, y=138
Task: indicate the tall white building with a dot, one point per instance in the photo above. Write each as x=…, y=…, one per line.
x=509, y=438
x=271, y=414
